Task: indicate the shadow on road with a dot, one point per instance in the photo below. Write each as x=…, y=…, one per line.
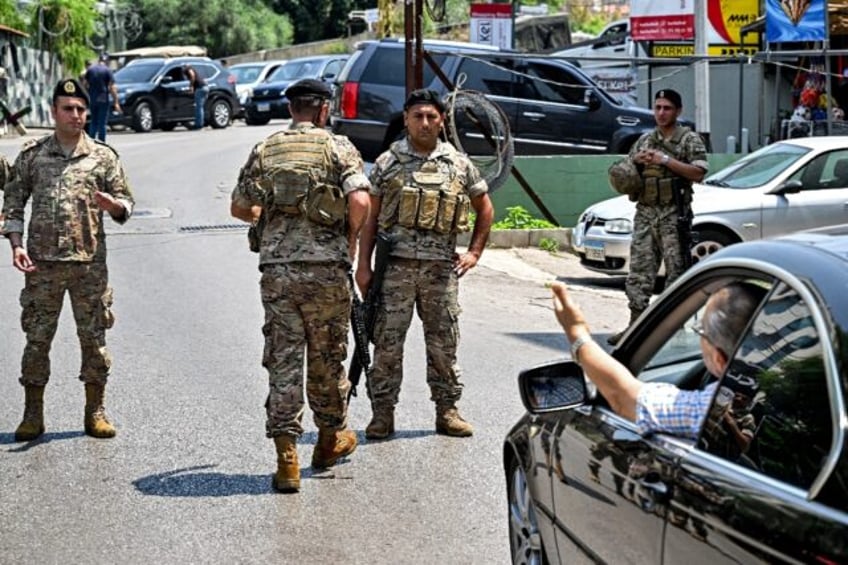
x=9, y=439
x=195, y=481
x=616, y=283
x=556, y=340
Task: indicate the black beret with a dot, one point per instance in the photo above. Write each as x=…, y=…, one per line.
x=309, y=87
x=424, y=96
x=671, y=95
x=70, y=87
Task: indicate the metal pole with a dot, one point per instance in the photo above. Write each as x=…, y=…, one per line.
x=827, y=71
x=702, y=73
x=409, y=49
x=419, y=44
x=741, y=97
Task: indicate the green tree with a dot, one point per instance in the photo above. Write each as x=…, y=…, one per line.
x=64, y=28
x=223, y=27
x=10, y=15
x=314, y=20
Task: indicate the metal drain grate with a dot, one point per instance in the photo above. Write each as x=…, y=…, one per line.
x=218, y=227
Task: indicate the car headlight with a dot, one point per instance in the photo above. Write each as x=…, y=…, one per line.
x=618, y=226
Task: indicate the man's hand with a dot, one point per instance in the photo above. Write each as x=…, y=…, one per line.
x=465, y=262
x=363, y=277
x=568, y=313
x=109, y=203
x=21, y=260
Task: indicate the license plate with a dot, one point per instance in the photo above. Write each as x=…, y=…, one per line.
x=594, y=251
x=263, y=107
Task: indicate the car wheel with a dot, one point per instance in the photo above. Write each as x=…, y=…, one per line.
x=709, y=241
x=525, y=541
x=168, y=126
x=254, y=121
x=142, y=118
x=221, y=113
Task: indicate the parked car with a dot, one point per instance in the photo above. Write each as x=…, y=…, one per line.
x=250, y=75
x=155, y=93
x=268, y=99
x=784, y=187
x=552, y=106
x=584, y=485
x=612, y=47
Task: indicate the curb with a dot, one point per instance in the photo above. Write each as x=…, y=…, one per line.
x=522, y=238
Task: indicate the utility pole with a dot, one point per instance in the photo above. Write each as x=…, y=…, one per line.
x=702, y=73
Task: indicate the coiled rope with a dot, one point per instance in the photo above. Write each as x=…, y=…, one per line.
x=473, y=106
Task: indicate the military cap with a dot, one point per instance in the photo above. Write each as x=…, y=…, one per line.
x=309, y=87
x=624, y=177
x=424, y=96
x=70, y=87
x=671, y=95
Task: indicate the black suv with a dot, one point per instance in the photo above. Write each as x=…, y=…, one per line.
x=552, y=106
x=155, y=93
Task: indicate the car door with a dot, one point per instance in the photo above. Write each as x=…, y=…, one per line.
x=821, y=199
x=756, y=488
x=493, y=77
x=553, y=114
x=177, y=99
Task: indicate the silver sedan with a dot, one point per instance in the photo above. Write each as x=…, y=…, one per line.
x=784, y=187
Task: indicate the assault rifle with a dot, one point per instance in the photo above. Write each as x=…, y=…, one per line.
x=254, y=232
x=363, y=314
x=684, y=222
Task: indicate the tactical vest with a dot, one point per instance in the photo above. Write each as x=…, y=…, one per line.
x=660, y=182
x=298, y=167
x=426, y=199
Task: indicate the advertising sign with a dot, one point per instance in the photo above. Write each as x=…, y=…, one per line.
x=795, y=20
x=725, y=20
x=658, y=20
x=491, y=24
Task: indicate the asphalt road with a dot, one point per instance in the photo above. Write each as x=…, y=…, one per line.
x=187, y=479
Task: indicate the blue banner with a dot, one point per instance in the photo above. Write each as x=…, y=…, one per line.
x=795, y=20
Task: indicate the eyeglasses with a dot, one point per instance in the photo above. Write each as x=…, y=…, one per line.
x=698, y=328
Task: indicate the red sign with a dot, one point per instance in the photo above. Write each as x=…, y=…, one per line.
x=662, y=28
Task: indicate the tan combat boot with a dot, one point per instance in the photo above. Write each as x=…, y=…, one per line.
x=32, y=425
x=287, y=477
x=382, y=424
x=332, y=445
x=450, y=423
x=96, y=423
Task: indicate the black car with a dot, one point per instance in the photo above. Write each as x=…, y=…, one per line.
x=583, y=484
x=268, y=99
x=551, y=105
x=155, y=93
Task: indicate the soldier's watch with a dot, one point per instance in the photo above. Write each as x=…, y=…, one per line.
x=665, y=159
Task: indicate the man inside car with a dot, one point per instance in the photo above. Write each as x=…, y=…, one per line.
x=662, y=407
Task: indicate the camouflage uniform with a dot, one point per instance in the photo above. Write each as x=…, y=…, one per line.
x=420, y=273
x=67, y=242
x=304, y=286
x=5, y=172
x=655, y=235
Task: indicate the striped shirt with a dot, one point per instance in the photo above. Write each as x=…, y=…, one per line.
x=662, y=407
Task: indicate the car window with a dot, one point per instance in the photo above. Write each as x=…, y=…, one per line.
x=176, y=73
x=491, y=76
x=772, y=412
x=613, y=35
x=206, y=70
x=143, y=72
x=759, y=167
x=387, y=66
x=552, y=83
x=828, y=170
x=333, y=68
x=246, y=74
x=295, y=70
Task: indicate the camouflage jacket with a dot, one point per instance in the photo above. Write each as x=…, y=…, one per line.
x=690, y=149
x=387, y=180
x=286, y=238
x=66, y=222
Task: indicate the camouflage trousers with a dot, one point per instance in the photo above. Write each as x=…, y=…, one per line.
x=307, y=308
x=41, y=304
x=655, y=239
x=432, y=288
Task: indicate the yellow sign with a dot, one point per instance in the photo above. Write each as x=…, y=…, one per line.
x=688, y=49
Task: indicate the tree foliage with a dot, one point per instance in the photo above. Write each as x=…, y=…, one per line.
x=223, y=27
x=10, y=15
x=64, y=28
x=314, y=20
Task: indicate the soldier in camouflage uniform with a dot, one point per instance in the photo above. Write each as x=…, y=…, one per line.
x=670, y=158
x=72, y=180
x=423, y=189
x=313, y=190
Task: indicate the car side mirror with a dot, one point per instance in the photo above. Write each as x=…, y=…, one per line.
x=551, y=387
x=788, y=187
x=590, y=99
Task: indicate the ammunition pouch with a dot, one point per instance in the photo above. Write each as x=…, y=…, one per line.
x=426, y=204
x=660, y=191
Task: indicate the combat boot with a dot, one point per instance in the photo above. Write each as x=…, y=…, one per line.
x=32, y=425
x=382, y=424
x=332, y=445
x=450, y=423
x=96, y=423
x=287, y=477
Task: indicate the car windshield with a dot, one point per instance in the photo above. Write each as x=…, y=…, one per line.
x=759, y=167
x=142, y=72
x=247, y=73
x=295, y=69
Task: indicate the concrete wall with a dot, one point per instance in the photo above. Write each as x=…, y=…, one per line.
x=31, y=75
x=567, y=185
